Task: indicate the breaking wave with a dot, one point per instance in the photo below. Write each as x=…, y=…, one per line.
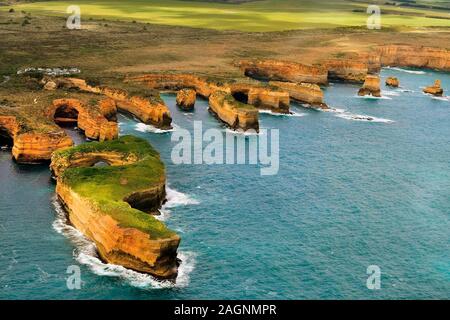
x=291, y=114
x=406, y=70
x=342, y=113
x=142, y=127
x=174, y=199
x=85, y=252
x=374, y=98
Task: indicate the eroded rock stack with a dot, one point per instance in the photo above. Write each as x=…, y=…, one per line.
x=371, y=86
x=392, y=82
x=186, y=99
x=435, y=90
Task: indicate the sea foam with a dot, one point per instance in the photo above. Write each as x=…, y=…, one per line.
x=86, y=253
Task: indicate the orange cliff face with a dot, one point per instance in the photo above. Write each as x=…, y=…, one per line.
x=89, y=119
x=371, y=86
x=346, y=70
x=175, y=82
x=256, y=94
x=277, y=70
x=119, y=223
x=148, y=109
x=303, y=93
x=261, y=97
x=235, y=114
x=414, y=57
x=32, y=145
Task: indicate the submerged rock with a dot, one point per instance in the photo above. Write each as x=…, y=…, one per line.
x=371, y=86
x=435, y=90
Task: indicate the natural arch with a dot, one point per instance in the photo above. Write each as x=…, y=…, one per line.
x=6, y=139
x=241, y=96
x=66, y=115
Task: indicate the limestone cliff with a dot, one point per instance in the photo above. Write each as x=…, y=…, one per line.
x=34, y=140
x=261, y=97
x=111, y=205
x=277, y=70
x=149, y=108
x=346, y=70
x=371, y=86
x=414, y=57
x=89, y=119
x=235, y=114
x=249, y=92
x=186, y=99
x=303, y=92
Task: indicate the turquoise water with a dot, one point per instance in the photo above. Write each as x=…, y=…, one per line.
x=348, y=194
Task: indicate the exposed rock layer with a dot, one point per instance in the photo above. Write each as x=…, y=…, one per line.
x=303, y=93
x=148, y=109
x=109, y=214
x=371, y=87
x=93, y=123
x=277, y=70
x=235, y=114
x=414, y=57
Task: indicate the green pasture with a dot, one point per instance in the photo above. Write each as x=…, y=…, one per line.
x=268, y=15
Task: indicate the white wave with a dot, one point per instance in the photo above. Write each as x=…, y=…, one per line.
x=241, y=132
x=86, y=253
x=174, y=199
x=142, y=127
x=389, y=93
x=370, y=97
x=360, y=117
x=344, y=114
x=406, y=70
x=277, y=114
x=447, y=98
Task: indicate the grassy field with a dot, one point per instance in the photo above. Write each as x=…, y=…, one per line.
x=268, y=15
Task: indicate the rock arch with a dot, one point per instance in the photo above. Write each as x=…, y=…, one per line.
x=89, y=119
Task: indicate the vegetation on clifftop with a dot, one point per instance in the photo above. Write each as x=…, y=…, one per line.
x=108, y=186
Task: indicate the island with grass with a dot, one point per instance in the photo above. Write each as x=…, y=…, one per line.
x=114, y=205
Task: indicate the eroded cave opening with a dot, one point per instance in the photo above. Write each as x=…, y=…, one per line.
x=66, y=116
x=6, y=140
x=240, y=96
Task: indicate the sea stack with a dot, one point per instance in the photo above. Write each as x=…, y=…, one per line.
x=392, y=82
x=435, y=89
x=186, y=99
x=371, y=86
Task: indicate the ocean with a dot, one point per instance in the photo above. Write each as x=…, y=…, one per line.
x=367, y=183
